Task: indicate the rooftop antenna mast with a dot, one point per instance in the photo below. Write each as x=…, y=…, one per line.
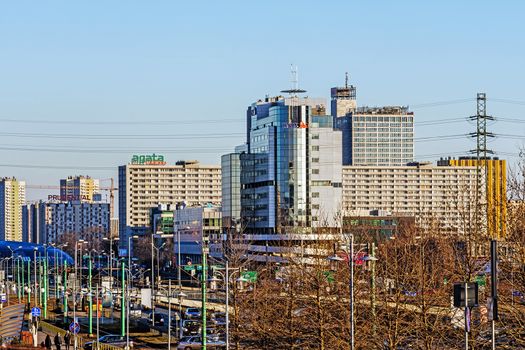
x=294, y=90
x=346, y=80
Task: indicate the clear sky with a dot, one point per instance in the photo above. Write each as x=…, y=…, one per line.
x=197, y=65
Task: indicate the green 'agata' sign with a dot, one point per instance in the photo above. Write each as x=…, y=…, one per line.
x=152, y=159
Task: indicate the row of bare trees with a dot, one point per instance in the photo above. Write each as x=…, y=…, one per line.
x=401, y=300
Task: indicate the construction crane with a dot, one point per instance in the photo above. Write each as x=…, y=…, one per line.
x=111, y=189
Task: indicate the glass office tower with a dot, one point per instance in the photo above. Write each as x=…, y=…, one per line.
x=285, y=151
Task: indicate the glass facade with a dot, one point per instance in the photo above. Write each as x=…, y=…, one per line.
x=276, y=171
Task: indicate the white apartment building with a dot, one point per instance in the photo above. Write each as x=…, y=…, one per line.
x=436, y=195
x=143, y=186
x=12, y=198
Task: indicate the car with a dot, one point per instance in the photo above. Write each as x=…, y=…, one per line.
x=215, y=333
x=218, y=318
x=112, y=339
x=160, y=319
x=135, y=310
x=192, y=312
x=195, y=342
x=191, y=327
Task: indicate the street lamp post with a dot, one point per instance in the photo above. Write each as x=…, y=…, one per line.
x=45, y=281
x=153, y=299
x=23, y=279
x=90, y=297
x=226, y=279
x=129, y=253
x=152, y=285
x=80, y=241
x=17, y=260
x=123, y=300
x=29, y=281
x=169, y=314
x=351, y=268
x=35, y=250
x=204, y=277
x=181, y=296
x=64, y=288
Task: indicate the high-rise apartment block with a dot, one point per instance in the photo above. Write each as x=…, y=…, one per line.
x=12, y=198
x=378, y=136
x=438, y=196
x=146, y=183
x=47, y=222
x=32, y=223
x=79, y=188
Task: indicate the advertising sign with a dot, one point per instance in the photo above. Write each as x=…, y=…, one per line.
x=67, y=198
x=152, y=159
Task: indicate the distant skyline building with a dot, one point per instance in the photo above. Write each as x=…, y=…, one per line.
x=47, y=222
x=144, y=185
x=343, y=99
x=31, y=223
x=79, y=188
x=12, y=198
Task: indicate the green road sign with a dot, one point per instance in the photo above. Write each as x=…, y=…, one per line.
x=250, y=276
x=329, y=275
x=481, y=280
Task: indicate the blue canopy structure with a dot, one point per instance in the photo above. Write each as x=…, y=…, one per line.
x=26, y=251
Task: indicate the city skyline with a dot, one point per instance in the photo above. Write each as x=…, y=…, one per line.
x=174, y=69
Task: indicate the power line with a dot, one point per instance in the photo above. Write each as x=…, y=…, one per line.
x=33, y=166
x=120, y=136
x=440, y=121
x=508, y=101
x=441, y=103
x=127, y=122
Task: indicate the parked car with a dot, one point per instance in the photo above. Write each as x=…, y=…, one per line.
x=160, y=319
x=218, y=318
x=116, y=340
x=135, y=310
x=192, y=312
x=191, y=327
x=189, y=343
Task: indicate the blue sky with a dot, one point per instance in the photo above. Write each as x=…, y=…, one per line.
x=199, y=64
